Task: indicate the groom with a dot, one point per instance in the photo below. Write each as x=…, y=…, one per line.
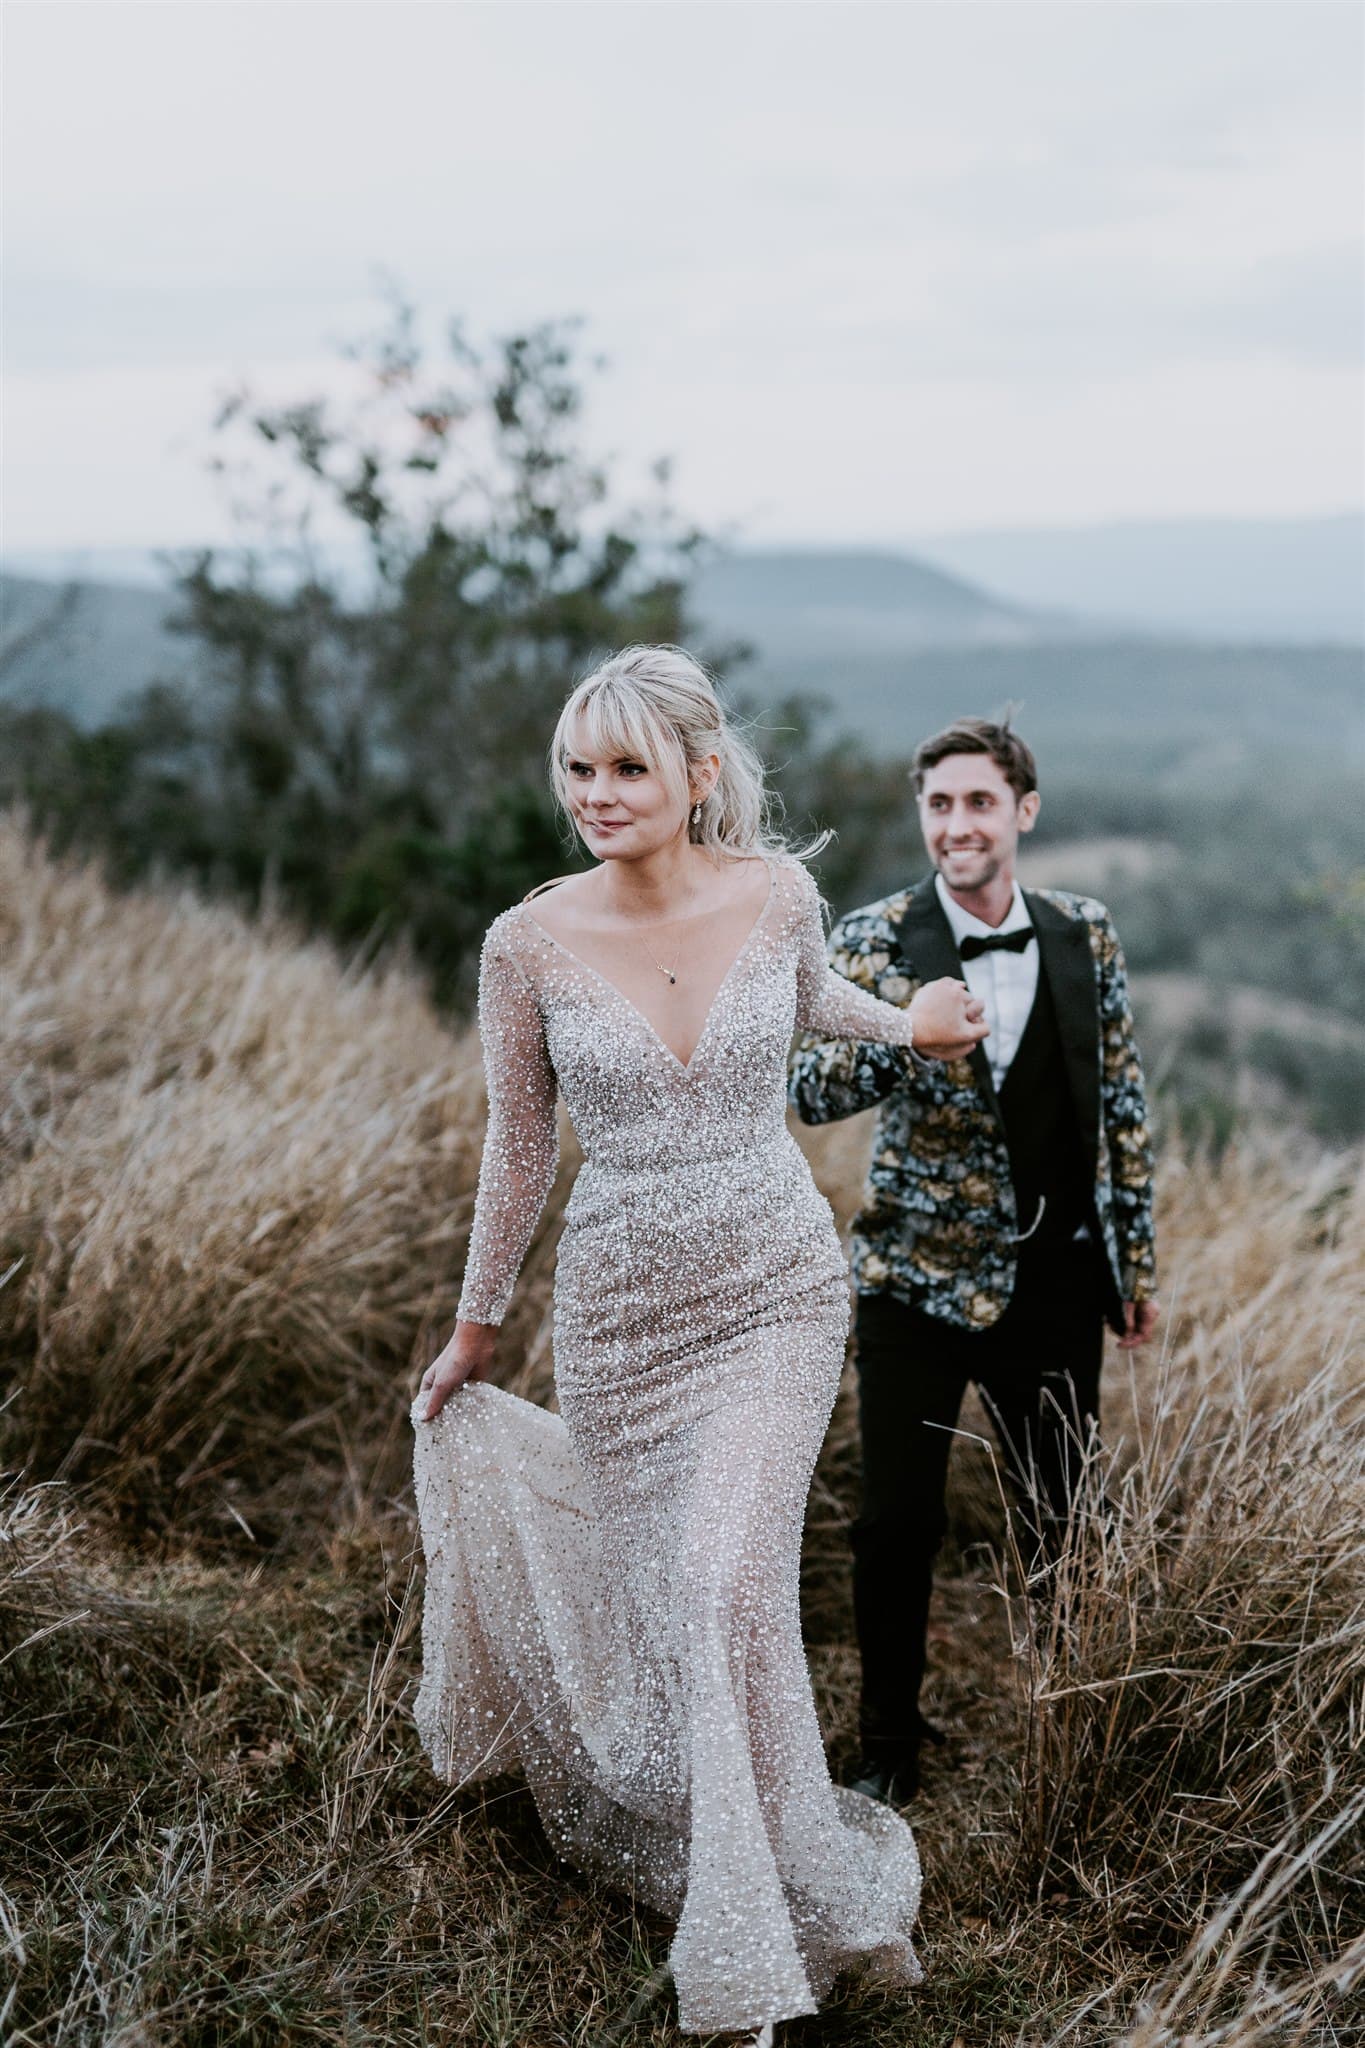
x=1008, y=1213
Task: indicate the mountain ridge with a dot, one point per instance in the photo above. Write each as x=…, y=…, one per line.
x=893, y=645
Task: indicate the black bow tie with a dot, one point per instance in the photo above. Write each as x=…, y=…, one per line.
x=999, y=942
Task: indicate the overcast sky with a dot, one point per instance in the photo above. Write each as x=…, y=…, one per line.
x=869, y=271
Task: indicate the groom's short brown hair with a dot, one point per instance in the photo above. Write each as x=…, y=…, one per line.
x=1011, y=755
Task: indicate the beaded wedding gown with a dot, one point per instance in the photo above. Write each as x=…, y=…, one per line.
x=612, y=1592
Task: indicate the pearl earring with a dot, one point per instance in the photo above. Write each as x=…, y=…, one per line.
x=696, y=813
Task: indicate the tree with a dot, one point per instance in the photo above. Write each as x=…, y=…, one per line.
x=431, y=560
x=431, y=563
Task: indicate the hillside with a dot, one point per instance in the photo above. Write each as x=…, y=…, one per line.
x=235, y=1201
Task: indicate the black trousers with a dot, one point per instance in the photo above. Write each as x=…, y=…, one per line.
x=1038, y=1372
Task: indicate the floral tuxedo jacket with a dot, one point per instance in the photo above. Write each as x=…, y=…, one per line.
x=939, y=1217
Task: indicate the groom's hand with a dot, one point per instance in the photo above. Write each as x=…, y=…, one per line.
x=1139, y=1321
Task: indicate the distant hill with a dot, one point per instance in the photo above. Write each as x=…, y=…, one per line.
x=1136, y=707
x=1299, y=580
x=783, y=600
x=788, y=604
x=81, y=647
x=894, y=647
x=1282, y=581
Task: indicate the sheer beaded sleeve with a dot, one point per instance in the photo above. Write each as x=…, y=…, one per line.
x=826, y=1004
x=521, y=1149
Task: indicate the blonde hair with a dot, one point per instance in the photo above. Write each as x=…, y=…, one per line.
x=658, y=705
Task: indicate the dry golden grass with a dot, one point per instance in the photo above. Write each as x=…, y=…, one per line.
x=236, y=1184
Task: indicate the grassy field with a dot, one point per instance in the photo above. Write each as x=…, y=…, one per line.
x=236, y=1185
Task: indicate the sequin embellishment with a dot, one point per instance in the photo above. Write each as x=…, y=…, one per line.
x=612, y=1592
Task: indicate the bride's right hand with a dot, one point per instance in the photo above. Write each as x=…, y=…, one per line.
x=467, y=1356
x=948, y=1020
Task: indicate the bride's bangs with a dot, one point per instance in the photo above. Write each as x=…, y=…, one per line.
x=612, y=719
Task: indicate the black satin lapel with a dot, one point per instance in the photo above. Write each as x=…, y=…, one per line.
x=981, y=1067
x=930, y=951
x=926, y=937
x=1064, y=948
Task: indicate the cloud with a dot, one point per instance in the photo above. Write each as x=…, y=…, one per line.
x=803, y=233
x=1306, y=307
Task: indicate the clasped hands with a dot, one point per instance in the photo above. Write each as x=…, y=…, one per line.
x=948, y=1020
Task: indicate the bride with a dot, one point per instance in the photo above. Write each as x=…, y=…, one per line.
x=611, y=1596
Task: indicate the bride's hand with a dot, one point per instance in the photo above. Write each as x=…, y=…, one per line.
x=948, y=1020
x=467, y=1356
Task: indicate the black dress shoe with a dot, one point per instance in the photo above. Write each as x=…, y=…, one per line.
x=894, y=1780
x=889, y=1770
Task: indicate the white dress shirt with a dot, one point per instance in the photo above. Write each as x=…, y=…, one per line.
x=1005, y=982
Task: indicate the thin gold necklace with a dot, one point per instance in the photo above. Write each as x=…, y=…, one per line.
x=670, y=974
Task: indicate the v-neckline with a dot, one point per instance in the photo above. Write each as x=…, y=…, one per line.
x=683, y=1066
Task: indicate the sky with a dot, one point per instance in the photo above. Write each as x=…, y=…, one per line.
x=866, y=270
